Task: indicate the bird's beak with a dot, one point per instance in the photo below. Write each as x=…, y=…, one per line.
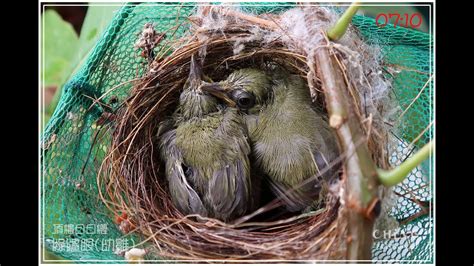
x=195, y=73
x=216, y=89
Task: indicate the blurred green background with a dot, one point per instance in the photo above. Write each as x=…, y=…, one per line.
x=69, y=33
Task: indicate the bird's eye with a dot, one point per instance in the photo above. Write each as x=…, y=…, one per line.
x=243, y=99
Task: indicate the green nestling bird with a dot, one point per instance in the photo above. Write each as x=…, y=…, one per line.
x=205, y=149
x=291, y=140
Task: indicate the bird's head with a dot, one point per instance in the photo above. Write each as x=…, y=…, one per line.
x=198, y=97
x=244, y=88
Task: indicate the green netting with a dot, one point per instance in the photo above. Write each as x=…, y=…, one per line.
x=76, y=224
x=407, y=56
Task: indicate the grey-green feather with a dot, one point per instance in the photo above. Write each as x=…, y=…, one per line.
x=291, y=141
x=206, y=154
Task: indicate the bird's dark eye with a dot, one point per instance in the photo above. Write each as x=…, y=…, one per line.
x=243, y=99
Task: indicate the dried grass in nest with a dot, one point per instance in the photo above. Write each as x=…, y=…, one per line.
x=133, y=177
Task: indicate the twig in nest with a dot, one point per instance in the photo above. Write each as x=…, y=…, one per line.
x=252, y=19
x=359, y=169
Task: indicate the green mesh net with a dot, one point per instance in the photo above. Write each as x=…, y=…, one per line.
x=77, y=226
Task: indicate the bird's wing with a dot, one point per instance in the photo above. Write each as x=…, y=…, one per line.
x=309, y=192
x=165, y=126
x=230, y=189
x=185, y=198
x=327, y=167
x=228, y=192
x=326, y=151
x=296, y=199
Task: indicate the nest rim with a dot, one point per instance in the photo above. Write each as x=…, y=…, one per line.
x=135, y=185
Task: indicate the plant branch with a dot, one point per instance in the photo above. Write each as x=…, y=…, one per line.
x=397, y=175
x=359, y=169
x=338, y=30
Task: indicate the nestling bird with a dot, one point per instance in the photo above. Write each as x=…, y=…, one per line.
x=205, y=149
x=291, y=140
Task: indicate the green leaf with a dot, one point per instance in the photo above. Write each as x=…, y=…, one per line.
x=96, y=21
x=60, y=48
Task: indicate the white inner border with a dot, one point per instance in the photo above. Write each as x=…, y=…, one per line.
x=41, y=64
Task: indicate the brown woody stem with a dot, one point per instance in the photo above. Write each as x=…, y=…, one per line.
x=359, y=169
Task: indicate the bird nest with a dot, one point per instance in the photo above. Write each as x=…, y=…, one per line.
x=225, y=40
